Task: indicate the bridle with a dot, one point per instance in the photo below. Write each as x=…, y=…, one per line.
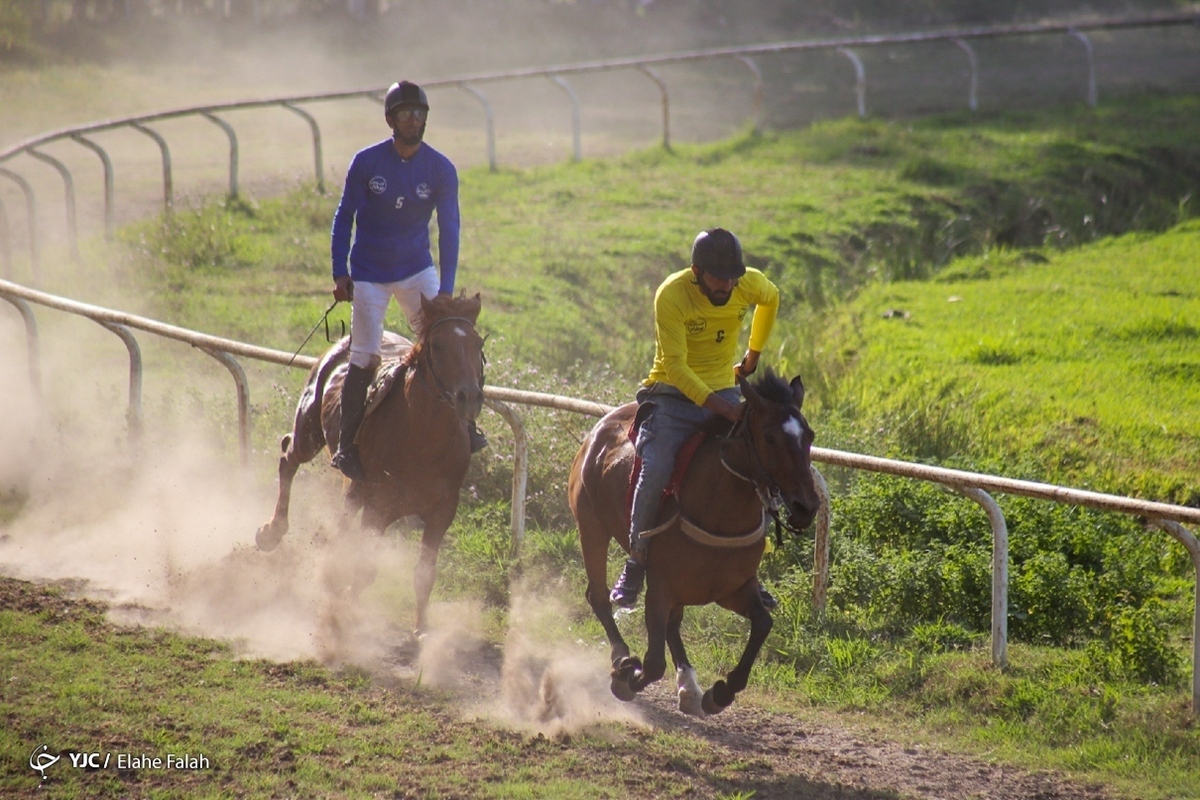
x=768, y=491
x=439, y=389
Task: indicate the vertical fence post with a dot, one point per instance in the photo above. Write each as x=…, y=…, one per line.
x=168, y=185
x=821, y=546
x=133, y=415
x=860, y=79
x=758, y=91
x=243, y=398
x=318, y=159
x=1188, y=540
x=233, y=151
x=577, y=152
x=106, y=162
x=32, y=348
x=1091, y=64
x=972, y=97
x=665, y=99
x=31, y=206
x=489, y=122
x=520, y=480
x=69, y=188
x=5, y=244
x=999, y=571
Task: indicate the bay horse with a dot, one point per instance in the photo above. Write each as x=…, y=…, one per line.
x=413, y=441
x=713, y=532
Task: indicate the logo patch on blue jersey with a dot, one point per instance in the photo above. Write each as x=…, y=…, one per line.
x=423, y=191
x=378, y=184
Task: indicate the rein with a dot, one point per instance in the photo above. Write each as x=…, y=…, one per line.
x=440, y=392
x=764, y=486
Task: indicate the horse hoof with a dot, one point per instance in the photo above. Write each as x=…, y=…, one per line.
x=709, y=704
x=622, y=674
x=690, y=697
x=691, y=703
x=621, y=689
x=268, y=537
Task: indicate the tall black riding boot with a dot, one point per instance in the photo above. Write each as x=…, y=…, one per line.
x=354, y=399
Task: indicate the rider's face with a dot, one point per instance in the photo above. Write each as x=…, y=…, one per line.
x=408, y=123
x=717, y=290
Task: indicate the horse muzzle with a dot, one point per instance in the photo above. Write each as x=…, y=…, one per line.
x=801, y=513
x=467, y=403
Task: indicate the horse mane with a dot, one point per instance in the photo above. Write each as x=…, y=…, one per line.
x=442, y=306
x=774, y=388
x=769, y=385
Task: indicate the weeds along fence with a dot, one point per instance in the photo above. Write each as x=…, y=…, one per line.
x=1082, y=62
x=974, y=486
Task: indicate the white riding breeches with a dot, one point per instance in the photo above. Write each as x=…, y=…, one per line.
x=370, y=307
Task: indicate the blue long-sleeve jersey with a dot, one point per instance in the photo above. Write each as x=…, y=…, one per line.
x=388, y=202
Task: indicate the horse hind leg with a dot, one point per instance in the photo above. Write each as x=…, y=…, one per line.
x=689, y=691
x=296, y=451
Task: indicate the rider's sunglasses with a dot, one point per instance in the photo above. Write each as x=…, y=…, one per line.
x=406, y=114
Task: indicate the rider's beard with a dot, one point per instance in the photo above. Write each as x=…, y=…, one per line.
x=409, y=141
x=714, y=298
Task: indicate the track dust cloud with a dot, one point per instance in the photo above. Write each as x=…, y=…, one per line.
x=163, y=533
x=548, y=685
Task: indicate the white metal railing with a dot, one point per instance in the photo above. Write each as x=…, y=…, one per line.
x=973, y=485
x=644, y=65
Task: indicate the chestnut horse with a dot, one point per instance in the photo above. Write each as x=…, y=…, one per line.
x=414, y=443
x=713, y=539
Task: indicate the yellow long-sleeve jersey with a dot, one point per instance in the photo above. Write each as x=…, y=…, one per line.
x=695, y=342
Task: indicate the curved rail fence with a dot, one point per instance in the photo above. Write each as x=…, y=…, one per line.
x=974, y=486
x=645, y=66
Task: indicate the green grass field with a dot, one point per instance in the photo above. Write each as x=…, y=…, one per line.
x=1013, y=294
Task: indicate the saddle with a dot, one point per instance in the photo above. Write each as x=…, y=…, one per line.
x=670, y=494
x=394, y=364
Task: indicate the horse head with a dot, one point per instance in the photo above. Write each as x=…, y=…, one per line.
x=449, y=351
x=779, y=446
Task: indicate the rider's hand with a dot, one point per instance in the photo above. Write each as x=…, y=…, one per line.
x=748, y=364
x=343, y=289
x=719, y=405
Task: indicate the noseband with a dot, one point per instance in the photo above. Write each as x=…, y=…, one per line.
x=439, y=389
x=768, y=491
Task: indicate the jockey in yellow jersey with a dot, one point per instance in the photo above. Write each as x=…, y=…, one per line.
x=698, y=315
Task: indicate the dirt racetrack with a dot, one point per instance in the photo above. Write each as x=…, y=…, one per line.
x=775, y=756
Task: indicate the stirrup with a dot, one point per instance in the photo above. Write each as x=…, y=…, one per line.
x=478, y=439
x=625, y=593
x=768, y=600
x=346, y=461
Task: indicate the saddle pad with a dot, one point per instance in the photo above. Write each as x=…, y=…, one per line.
x=682, y=459
x=385, y=378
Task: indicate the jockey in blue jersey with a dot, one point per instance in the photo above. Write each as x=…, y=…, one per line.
x=392, y=190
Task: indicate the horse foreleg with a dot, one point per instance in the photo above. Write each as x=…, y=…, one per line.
x=721, y=695
x=426, y=573
x=270, y=534
x=658, y=614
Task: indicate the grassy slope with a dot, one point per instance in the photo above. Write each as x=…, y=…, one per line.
x=567, y=256
x=1089, y=357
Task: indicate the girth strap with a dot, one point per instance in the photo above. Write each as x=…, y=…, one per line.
x=701, y=536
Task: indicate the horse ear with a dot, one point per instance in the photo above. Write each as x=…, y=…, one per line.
x=474, y=305
x=749, y=392
x=798, y=391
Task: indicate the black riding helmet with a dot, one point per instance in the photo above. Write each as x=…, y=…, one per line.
x=404, y=93
x=719, y=253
